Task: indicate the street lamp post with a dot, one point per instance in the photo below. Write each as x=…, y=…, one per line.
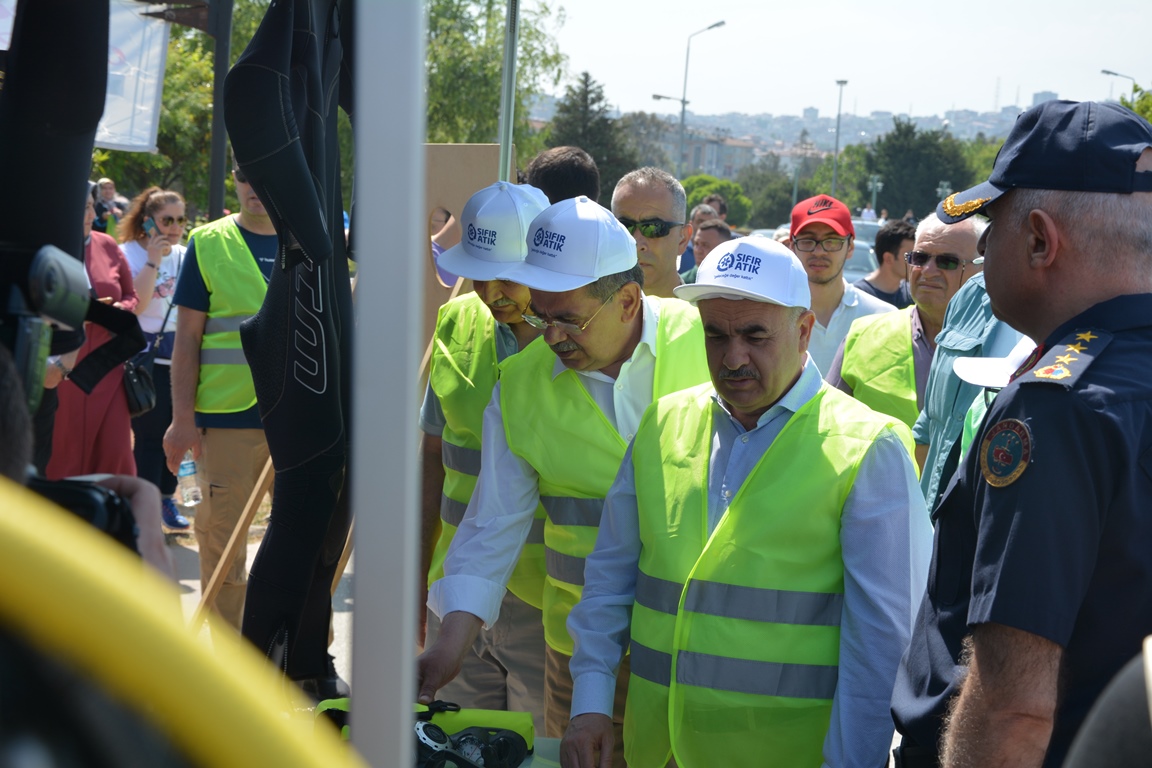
x=836, y=152
x=943, y=189
x=875, y=185
x=1135, y=85
x=684, y=95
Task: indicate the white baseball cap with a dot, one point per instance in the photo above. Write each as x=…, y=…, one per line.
x=994, y=372
x=495, y=223
x=755, y=268
x=571, y=244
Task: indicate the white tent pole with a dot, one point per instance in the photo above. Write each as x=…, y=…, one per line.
x=508, y=88
x=389, y=123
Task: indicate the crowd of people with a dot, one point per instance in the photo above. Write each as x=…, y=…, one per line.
x=690, y=497
x=733, y=510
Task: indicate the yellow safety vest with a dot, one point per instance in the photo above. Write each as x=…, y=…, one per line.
x=237, y=285
x=879, y=366
x=736, y=635
x=556, y=426
x=463, y=372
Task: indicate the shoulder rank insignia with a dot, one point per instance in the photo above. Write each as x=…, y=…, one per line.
x=1065, y=361
x=1005, y=452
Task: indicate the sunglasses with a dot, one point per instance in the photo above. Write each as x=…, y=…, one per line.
x=239, y=176
x=167, y=221
x=650, y=228
x=568, y=329
x=945, y=262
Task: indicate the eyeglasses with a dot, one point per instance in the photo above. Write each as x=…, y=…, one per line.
x=239, y=176
x=167, y=221
x=829, y=244
x=568, y=329
x=650, y=228
x=945, y=262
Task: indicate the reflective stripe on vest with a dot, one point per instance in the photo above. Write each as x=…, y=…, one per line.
x=223, y=324
x=237, y=286
x=880, y=366
x=462, y=374
x=735, y=634
x=554, y=425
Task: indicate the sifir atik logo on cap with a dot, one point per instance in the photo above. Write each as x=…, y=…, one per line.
x=552, y=241
x=820, y=205
x=739, y=262
x=481, y=236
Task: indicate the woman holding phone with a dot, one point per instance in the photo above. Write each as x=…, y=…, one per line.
x=93, y=433
x=150, y=235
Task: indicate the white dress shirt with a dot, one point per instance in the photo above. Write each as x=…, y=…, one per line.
x=886, y=538
x=826, y=340
x=491, y=536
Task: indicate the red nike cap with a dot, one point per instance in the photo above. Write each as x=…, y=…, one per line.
x=826, y=209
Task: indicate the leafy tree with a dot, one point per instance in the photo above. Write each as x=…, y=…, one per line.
x=913, y=163
x=465, y=61
x=769, y=188
x=1140, y=102
x=582, y=120
x=980, y=153
x=851, y=177
x=701, y=185
x=644, y=131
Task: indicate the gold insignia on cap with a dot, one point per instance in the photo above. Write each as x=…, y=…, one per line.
x=952, y=209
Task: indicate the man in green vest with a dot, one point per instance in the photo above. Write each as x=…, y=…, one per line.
x=214, y=414
x=885, y=359
x=761, y=551
x=474, y=333
x=555, y=432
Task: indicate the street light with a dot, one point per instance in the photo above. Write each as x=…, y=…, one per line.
x=684, y=95
x=943, y=189
x=836, y=153
x=875, y=185
x=1135, y=85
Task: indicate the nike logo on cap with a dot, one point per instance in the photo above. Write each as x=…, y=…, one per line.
x=821, y=205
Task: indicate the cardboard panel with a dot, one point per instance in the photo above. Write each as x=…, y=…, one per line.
x=454, y=173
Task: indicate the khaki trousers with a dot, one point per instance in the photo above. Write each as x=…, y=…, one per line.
x=504, y=668
x=231, y=461
x=558, y=700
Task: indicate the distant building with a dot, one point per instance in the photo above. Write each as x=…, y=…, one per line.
x=1043, y=96
x=811, y=113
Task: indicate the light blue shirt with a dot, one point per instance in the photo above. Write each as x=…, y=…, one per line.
x=886, y=540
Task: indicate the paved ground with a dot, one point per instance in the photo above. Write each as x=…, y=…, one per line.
x=187, y=559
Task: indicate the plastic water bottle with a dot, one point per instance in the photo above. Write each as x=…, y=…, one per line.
x=186, y=479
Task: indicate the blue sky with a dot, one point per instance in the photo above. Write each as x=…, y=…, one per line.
x=897, y=56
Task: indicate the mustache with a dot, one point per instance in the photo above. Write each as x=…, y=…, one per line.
x=503, y=301
x=744, y=372
x=565, y=346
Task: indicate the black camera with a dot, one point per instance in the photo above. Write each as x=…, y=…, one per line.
x=106, y=510
x=42, y=285
x=470, y=748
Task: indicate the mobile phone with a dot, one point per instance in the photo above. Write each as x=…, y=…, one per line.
x=150, y=227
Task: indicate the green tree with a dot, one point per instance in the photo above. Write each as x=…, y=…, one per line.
x=465, y=61
x=980, y=154
x=769, y=187
x=912, y=164
x=1140, y=102
x=644, y=132
x=582, y=120
x=701, y=185
x=851, y=177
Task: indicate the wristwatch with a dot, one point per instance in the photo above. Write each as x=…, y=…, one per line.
x=55, y=360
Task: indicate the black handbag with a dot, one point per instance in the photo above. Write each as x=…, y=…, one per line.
x=138, y=385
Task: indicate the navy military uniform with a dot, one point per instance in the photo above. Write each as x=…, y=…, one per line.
x=1047, y=527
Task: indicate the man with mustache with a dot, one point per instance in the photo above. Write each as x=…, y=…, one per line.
x=555, y=432
x=885, y=359
x=474, y=333
x=761, y=553
x=822, y=236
